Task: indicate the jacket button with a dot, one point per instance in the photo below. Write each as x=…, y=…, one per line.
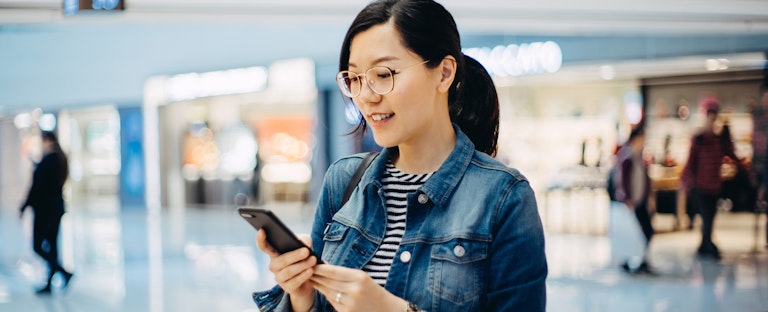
x=459, y=251
x=423, y=198
x=405, y=257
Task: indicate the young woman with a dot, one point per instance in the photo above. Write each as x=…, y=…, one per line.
x=435, y=223
x=46, y=200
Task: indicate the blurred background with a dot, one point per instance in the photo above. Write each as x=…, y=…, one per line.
x=173, y=112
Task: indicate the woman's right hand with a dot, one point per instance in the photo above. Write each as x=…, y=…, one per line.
x=292, y=271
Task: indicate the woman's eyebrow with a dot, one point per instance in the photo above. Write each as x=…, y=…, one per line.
x=377, y=61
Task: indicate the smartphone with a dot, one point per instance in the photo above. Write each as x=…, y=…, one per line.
x=278, y=235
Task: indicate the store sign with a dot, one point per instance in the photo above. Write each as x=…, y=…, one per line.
x=225, y=82
x=71, y=7
x=519, y=60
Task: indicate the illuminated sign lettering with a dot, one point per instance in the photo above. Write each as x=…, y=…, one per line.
x=233, y=81
x=518, y=60
x=71, y=7
x=105, y=4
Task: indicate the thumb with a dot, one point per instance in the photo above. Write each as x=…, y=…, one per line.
x=306, y=239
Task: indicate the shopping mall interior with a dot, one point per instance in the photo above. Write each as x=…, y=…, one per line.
x=174, y=113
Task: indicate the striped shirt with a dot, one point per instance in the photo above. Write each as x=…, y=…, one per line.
x=396, y=186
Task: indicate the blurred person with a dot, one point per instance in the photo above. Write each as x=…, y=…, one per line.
x=45, y=198
x=762, y=197
x=633, y=187
x=702, y=176
x=759, y=137
x=737, y=184
x=762, y=173
x=435, y=223
x=668, y=160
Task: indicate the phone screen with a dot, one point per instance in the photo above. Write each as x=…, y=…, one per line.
x=278, y=234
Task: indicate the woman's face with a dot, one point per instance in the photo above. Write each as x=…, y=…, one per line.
x=408, y=113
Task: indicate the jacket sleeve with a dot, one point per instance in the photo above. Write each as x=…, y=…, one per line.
x=517, y=250
x=689, y=174
x=274, y=299
x=626, y=179
x=40, y=180
x=765, y=172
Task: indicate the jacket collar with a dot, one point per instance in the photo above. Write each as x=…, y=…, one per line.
x=440, y=186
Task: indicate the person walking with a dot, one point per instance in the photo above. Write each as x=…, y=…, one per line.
x=762, y=177
x=633, y=188
x=45, y=198
x=702, y=178
x=435, y=223
x=759, y=142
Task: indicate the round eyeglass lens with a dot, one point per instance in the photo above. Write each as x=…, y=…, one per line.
x=380, y=79
x=349, y=83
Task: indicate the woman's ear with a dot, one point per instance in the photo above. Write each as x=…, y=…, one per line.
x=447, y=73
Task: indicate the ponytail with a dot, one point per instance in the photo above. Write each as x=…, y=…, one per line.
x=474, y=106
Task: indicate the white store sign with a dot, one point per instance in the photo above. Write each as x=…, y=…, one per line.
x=519, y=60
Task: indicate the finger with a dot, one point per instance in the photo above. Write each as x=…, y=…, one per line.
x=335, y=272
x=263, y=245
x=283, y=274
x=326, y=291
x=330, y=292
x=323, y=282
x=306, y=239
x=297, y=281
x=323, y=288
x=325, y=270
x=278, y=263
x=337, y=282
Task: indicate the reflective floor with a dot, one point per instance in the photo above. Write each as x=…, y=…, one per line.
x=206, y=260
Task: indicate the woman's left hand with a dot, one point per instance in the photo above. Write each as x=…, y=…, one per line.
x=353, y=290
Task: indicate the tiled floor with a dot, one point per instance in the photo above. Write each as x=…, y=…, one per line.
x=206, y=260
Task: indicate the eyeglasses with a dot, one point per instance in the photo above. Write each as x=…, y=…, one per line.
x=380, y=79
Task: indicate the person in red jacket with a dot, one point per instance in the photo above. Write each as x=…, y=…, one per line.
x=701, y=176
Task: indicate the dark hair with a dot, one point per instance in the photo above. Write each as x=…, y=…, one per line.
x=60, y=156
x=637, y=131
x=428, y=29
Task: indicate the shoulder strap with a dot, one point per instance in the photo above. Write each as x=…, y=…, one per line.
x=357, y=176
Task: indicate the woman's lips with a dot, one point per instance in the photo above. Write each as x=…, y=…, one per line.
x=380, y=117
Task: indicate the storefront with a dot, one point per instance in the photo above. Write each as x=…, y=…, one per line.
x=561, y=129
x=241, y=136
x=89, y=136
x=675, y=114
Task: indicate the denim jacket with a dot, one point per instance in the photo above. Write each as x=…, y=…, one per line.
x=473, y=239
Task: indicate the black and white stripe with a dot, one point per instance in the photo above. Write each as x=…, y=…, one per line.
x=396, y=185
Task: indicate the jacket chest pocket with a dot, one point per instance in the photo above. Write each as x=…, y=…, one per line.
x=457, y=270
x=343, y=245
x=332, y=240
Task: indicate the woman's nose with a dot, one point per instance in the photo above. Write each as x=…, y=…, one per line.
x=367, y=94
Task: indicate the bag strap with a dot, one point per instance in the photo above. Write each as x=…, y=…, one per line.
x=358, y=175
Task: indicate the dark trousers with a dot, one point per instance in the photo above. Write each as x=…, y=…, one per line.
x=758, y=209
x=706, y=204
x=644, y=218
x=45, y=240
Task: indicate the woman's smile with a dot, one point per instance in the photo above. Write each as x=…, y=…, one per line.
x=380, y=117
